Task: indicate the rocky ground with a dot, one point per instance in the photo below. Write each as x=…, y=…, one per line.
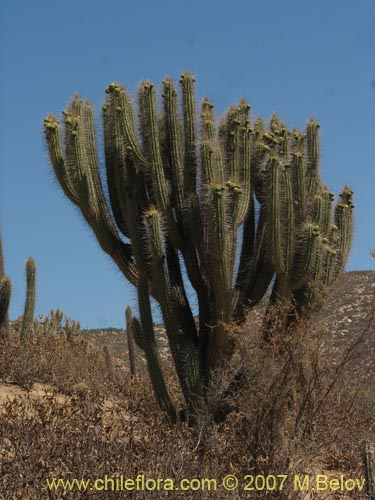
x=348, y=325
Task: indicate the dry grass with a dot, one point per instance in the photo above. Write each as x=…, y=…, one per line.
x=289, y=416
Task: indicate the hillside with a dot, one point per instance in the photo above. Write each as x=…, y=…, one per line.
x=346, y=316
x=342, y=320
x=67, y=412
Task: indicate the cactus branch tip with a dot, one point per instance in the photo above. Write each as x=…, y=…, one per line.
x=186, y=75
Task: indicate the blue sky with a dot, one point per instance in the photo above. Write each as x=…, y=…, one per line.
x=300, y=58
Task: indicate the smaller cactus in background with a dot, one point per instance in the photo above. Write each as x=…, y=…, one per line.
x=28, y=316
x=72, y=329
x=81, y=390
x=5, y=292
x=131, y=347
x=54, y=326
x=369, y=473
x=108, y=362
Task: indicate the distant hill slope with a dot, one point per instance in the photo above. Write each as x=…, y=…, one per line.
x=345, y=315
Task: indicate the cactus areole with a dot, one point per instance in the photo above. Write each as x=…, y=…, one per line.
x=235, y=206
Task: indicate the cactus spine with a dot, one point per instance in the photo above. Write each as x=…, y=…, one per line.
x=130, y=336
x=180, y=198
x=28, y=315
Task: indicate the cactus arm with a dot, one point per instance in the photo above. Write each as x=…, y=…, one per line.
x=212, y=170
x=183, y=179
x=244, y=163
x=156, y=375
x=130, y=336
x=104, y=223
x=273, y=215
x=325, y=222
x=89, y=142
x=173, y=143
x=53, y=139
x=261, y=279
x=137, y=333
x=217, y=249
x=233, y=207
x=191, y=346
x=298, y=184
x=175, y=160
x=247, y=247
x=288, y=221
x=77, y=158
x=216, y=231
x=206, y=162
x=255, y=282
x=306, y=256
x=322, y=211
x=258, y=283
x=150, y=136
x=89, y=197
x=343, y=218
x=184, y=315
x=197, y=270
x=258, y=152
x=5, y=293
x=312, y=160
x=158, y=382
x=28, y=315
x=134, y=205
x=310, y=297
x=194, y=227
x=160, y=276
x=329, y=263
x=218, y=240
x=115, y=153
x=182, y=344
x=118, y=102
x=2, y=266
x=234, y=136
x=227, y=143
x=145, y=338
x=190, y=139
x=128, y=127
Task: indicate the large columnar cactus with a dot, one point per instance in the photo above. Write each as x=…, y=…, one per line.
x=5, y=292
x=235, y=207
